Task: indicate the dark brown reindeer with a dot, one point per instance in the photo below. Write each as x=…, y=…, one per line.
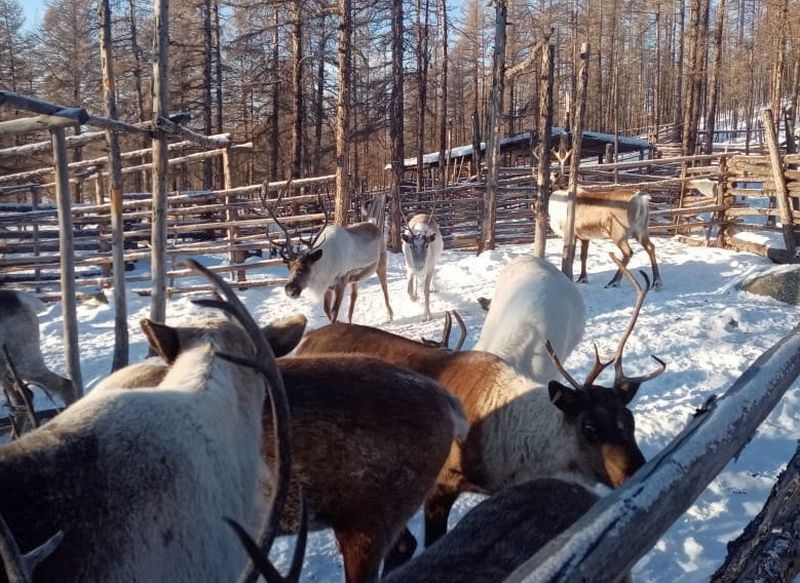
x=333, y=259
x=117, y=472
x=368, y=438
x=520, y=429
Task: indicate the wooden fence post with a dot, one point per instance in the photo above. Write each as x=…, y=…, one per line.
x=568, y=253
x=781, y=192
x=543, y=151
x=231, y=216
x=158, y=255
x=724, y=200
x=66, y=260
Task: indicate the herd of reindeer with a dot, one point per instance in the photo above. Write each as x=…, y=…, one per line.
x=186, y=467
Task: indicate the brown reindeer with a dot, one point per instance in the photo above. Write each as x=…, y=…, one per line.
x=335, y=258
x=617, y=214
x=520, y=429
x=368, y=438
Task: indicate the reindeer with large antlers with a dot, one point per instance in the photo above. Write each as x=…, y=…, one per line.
x=516, y=432
x=333, y=259
x=140, y=482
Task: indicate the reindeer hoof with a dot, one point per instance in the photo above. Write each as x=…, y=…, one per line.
x=414, y=297
x=612, y=283
x=657, y=285
x=582, y=279
x=426, y=317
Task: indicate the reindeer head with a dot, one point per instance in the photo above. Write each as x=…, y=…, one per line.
x=416, y=242
x=300, y=264
x=604, y=424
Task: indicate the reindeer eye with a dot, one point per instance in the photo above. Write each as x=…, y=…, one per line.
x=590, y=431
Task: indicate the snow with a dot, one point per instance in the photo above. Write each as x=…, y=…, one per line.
x=706, y=330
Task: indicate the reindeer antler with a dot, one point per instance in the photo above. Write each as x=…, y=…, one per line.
x=18, y=567
x=265, y=364
x=313, y=241
x=284, y=249
x=554, y=357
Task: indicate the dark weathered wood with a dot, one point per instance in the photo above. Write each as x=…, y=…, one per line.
x=599, y=547
x=232, y=216
x=396, y=127
x=489, y=213
x=714, y=81
x=443, y=93
x=568, y=253
x=543, y=150
x=160, y=85
x=781, y=192
x=115, y=186
x=66, y=261
x=767, y=549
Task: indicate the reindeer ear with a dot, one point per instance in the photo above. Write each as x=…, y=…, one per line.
x=285, y=334
x=162, y=339
x=626, y=391
x=431, y=237
x=315, y=255
x=570, y=401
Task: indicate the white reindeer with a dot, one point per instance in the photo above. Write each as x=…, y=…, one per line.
x=139, y=482
x=335, y=257
x=422, y=247
x=19, y=340
x=533, y=302
x=617, y=214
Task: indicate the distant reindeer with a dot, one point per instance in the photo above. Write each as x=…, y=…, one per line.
x=422, y=248
x=520, y=429
x=617, y=214
x=335, y=257
x=368, y=438
x=139, y=482
x=19, y=334
x=533, y=301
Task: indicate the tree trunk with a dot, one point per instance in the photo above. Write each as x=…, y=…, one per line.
x=689, y=135
x=207, y=57
x=443, y=97
x=158, y=245
x=274, y=142
x=319, y=100
x=779, y=62
x=120, y=357
x=568, y=254
x=543, y=150
x=713, y=83
x=422, y=85
x=141, y=179
x=297, y=90
x=342, y=114
x=493, y=138
x=396, y=127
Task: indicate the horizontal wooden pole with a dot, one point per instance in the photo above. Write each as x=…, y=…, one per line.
x=38, y=123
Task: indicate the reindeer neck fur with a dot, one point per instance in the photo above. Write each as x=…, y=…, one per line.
x=144, y=477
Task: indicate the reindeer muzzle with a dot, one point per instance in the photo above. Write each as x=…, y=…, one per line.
x=292, y=290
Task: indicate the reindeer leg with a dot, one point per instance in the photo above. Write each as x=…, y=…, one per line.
x=412, y=279
x=437, y=509
x=583, y=278
x=362, y=556
x=427, y=314
x=402, y=550
x=651, y=252
x=627, y=253
x=338, y=295
x=353, y=296
x=380, y=270
x=326, y=303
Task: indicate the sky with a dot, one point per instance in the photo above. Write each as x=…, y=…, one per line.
x=34, y=12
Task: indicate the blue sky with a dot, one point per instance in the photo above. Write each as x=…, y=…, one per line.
x=34, y=12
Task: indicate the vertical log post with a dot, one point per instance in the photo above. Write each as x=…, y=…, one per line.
x=120, y=358
x=781, y=192
x=489, y=215
x=723, y=200
x=475, y=168
x=396, y=127
x=231, y=216
x=343, y=195
x=36, y=245
x=66, y=251
x=568, y=254
x=158, y=244
x=543, y=150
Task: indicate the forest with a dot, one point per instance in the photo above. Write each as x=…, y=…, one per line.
x=292, y=75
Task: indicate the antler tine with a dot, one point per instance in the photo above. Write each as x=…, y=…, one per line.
x=324, y=224
x=599, y=366
x=265, y=363
x=448, y=325
x=18, y=567
x=552, y=353
x=463, y=331
x=284, y=249
x=641, y=294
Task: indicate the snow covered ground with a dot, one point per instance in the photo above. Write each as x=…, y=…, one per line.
x=706, y=330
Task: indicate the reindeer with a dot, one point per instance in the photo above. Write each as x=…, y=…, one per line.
x=139, y=481
x=19, y=344
x=533, y=301
x=335, y=257
x=520, y=429
x=617, y=214
x=369, y=440
x=422, y=247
